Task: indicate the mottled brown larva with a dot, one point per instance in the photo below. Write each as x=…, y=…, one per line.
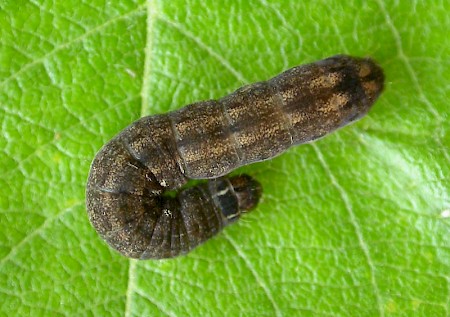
x=126, y=193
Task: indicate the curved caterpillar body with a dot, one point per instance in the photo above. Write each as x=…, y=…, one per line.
x=126, y=199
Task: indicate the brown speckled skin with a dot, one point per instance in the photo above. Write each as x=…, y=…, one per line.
x=126, y=202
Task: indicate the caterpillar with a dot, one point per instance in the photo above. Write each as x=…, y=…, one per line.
x=136, y=196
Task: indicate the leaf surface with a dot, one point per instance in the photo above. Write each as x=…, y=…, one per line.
x=356, y=224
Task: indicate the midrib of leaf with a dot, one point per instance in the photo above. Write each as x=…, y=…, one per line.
x=131, y=287
x=152, y=9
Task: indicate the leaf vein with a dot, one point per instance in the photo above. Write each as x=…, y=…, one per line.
x=222, y=60
x=64, y=45
x=47, y=222
x=354, y=222
x=255, y=275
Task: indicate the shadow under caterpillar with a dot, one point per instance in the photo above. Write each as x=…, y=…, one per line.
x=126, y=196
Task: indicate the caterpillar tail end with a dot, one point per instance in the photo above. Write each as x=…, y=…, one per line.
x=248, y=191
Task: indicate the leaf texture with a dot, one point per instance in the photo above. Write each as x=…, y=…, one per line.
x=356, y=224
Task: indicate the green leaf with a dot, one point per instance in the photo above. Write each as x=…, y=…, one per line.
x=354, y=224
